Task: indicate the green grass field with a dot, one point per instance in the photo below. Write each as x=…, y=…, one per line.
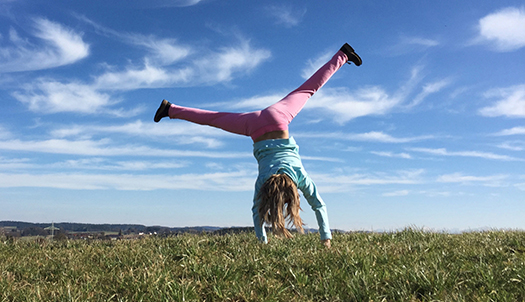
x=409, y=265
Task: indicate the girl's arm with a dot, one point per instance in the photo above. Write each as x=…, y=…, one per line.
x=311, y=195
x=260, y=232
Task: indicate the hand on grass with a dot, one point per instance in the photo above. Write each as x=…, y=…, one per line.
x=326, y=243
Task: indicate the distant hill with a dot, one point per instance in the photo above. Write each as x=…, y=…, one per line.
x=88, y=227
x=132, y=228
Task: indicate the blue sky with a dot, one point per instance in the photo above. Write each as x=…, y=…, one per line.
x=428, y=132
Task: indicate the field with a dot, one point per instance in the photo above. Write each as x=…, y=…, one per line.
x=409, y=265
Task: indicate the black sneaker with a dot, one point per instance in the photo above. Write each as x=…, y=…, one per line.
x=163, y=111
x=351, y=55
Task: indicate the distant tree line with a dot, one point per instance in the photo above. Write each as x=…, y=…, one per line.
x=38, y=229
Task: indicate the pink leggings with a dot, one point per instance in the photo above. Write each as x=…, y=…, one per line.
x=273, y=118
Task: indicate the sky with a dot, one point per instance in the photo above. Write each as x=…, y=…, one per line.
x=429, y=132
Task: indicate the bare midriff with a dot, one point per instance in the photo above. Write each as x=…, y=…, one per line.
x=272, y=135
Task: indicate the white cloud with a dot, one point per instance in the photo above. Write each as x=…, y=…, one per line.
x=220, y=66
x=52, y=97
x=391, y=154
x=410, y=44
x=180, y=132
x=420, y=41
x=162, y=51
x=105, y=148
x=321, y=158
x=286, y=15
x=141, y=4
x=372, y=136
x=4, y=133
x=343, y=183
x=485, y=155
x=505, y=29
x=429, y=89
x=230, y=181
x=344, y=106
x=493, y=180
x=396, y=193
x=254, y=103
x=146, y=76
x=14, y=163
x=520, y=186
x=111, y=165
x=511, y=131
x=96, y=163
x=513, y=145
x=314, y=65
x=511, y=102
x=62, y=46
x=169, y=3
x=216, y=67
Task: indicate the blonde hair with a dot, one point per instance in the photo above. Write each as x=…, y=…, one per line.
x=279, y=201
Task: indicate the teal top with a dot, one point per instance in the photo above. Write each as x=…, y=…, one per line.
x=277, y=156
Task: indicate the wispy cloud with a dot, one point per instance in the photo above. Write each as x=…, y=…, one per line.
x=420, y=41
x=155, y=69
x=160, y=67
x=396, y=193
x=105, y=147
x=321, y=158
x=181, y=133
x=313, y=65
x=344, y=183
x=504, y=29
x=343, y=105
x=4, y=133
x=429, y=89
x=241, y=180
x=286, y=15
x=512, y=131
x=478, y=154
x=163, y=51
x=492, y=180
x=513, y=145
x=179, y=3
x=220, y=66
x=410, y=44
x=510, y=103
x=391, y=154
x=99, y=163
x=60, y=46
x=9, y=164
x=257, y=102
x=520, y=186
x=91, y=163
x=372, y=136
x=51, y=96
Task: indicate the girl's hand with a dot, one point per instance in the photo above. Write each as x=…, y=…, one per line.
x=326, y=243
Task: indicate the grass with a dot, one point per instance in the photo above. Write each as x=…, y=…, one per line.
x=409, y=265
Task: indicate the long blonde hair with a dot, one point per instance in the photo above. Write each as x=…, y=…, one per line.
x=279, y=201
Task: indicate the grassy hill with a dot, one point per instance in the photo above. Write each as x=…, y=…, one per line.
x=409, y=265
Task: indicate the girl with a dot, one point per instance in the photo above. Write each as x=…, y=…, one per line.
x=281, y=171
